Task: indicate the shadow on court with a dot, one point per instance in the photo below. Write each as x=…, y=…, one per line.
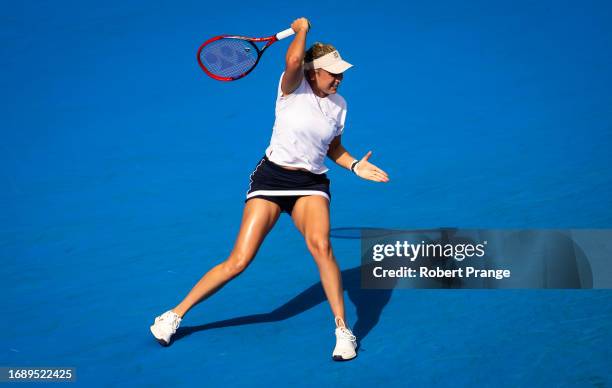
x=369, y=305
x=554, y=262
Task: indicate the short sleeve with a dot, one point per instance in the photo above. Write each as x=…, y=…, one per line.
x=279, y=91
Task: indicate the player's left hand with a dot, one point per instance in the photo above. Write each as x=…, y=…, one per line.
x=366, y=170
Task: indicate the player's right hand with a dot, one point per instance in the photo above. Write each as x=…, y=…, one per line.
x=301, y=24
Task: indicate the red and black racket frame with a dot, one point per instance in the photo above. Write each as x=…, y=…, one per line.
x=271, y=39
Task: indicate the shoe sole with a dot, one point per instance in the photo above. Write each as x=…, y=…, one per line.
x=159, y=340
x=340, y=358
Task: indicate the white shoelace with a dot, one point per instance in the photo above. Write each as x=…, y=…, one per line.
x=346, y=333
x=171, y=319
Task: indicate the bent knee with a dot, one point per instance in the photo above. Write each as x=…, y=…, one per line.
x=236, y=264
x=319, y=247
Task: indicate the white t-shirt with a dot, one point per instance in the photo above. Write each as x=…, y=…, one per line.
x=304, y=127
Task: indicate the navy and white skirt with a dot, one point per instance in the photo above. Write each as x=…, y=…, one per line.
x=283, y=187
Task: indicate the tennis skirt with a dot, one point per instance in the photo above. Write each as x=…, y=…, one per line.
x=283, y=187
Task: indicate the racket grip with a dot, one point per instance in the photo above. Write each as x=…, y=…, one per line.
x=284, y=34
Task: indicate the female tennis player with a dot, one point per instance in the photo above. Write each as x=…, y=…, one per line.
x=291, y=178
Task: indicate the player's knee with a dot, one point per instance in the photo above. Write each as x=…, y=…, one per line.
x=234, y=268
x=319, y=246
x=236, y=264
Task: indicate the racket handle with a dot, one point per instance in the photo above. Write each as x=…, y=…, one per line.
x=284, y=34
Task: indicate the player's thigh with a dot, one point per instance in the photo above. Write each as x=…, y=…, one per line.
x=258, y=218
x=311, y=216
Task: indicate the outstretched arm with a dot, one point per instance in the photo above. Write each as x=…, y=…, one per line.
x=362, y=168
x=295, y=57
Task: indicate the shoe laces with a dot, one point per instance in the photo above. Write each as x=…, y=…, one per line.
x=171, y=319
x=347, y=334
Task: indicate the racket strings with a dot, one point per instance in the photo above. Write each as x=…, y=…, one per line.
x=229, y=57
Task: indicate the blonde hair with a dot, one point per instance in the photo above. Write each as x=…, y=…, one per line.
x=317, y=50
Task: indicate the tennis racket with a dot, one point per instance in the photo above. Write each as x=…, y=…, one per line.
x=231, y=57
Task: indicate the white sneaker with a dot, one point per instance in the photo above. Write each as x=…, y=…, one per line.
x=165, y=326
x=346, y=342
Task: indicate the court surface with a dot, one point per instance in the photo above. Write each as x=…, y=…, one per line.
x=124, y=171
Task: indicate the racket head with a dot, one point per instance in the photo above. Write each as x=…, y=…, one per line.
x=228, y=57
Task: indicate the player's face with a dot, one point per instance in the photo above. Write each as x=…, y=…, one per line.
x=327, y=82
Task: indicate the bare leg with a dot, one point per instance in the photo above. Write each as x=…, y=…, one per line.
x=311, y=216
x=258, y=218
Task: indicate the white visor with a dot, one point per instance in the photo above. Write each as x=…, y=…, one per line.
x=331, y=62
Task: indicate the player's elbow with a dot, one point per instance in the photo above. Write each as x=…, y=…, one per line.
x=332, y=152
x=293, y=62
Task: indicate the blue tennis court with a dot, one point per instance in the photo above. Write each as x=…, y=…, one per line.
x=125, y=169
